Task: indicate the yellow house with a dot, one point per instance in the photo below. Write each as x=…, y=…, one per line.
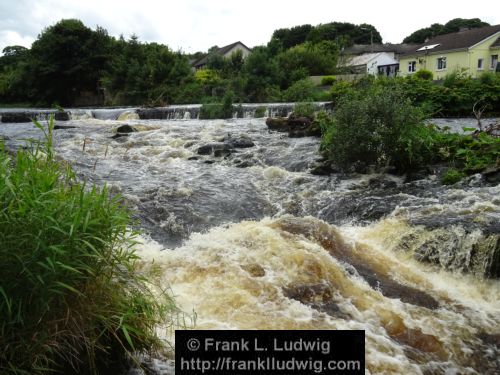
x=475, y=51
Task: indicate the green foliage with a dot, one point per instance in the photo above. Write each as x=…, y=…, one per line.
x=260, y=112
x=328, y=80
x=424, y=74
x=339, y=90
x=206, y=76
x=468, y=153
x=305, y=109
x=71, y=297
x=316, y=58
x=436, y=29
x=452, y=176
x=222, y=110
x=380, y=127
x=300, y=91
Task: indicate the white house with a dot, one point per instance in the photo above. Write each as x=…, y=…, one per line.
x=381, y=63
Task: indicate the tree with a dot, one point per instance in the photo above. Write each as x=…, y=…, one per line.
x=289, y=38
x=67, y=59
x=452, y=26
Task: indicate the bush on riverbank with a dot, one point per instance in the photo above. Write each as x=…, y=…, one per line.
x=380, y=127
x=71, y=299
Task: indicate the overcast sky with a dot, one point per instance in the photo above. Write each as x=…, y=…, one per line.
x=196, y=25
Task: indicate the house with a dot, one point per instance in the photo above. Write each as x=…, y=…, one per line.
x=394, y=50
x=225, y=51
x=475, y=51
x=370, y=63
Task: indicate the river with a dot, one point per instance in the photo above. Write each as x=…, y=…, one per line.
x=250, y=239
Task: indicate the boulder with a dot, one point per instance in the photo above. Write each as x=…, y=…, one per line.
x=126, y=129
x=210, y=149
x=279, y=124
x=492, y=175
x=57, y=127
x=241, y=141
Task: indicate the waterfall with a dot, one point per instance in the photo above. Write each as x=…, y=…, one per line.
x=172, y=112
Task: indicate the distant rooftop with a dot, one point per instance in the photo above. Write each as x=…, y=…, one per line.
x=456, y=41
x=358, y=49
x=222, y=51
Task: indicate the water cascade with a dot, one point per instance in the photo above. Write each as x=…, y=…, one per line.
x=248, y=238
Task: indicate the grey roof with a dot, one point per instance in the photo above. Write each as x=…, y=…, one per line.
x=456, y=41
x=358, y=49
x=223, y=50
x=496, y=43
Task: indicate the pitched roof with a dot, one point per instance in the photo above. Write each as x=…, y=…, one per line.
x=222, y=51
x=358, y=49
x=496, y=43
x=454, y=41
x=366, y=58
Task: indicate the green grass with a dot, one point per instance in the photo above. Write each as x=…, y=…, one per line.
x=71, y=297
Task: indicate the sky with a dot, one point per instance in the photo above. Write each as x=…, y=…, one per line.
x=196, y=25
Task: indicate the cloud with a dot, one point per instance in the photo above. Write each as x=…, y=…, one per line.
x=196, y=25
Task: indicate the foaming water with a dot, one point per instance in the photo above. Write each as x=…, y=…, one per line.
x=301, y=273
x=249, y=239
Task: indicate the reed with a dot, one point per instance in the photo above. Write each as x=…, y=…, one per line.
x=71, y=297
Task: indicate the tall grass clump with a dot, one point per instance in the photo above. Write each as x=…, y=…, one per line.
x=71, y=297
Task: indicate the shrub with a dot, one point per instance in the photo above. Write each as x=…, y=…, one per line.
x=380, y=127
x=211, y=111
x=339, y=90
x=71, y=299
x=328, y=80
x=300, y=91
x=305, y=109
x=424, y=74
x=260, y=112
x=452, y=176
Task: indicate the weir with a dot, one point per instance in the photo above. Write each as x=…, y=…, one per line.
x=172, y=112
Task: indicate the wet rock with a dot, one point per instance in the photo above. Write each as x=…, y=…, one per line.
x=254, y=269
x=209, y=161
x=57, y=127
x=239, y=142
x=119, y=135
x=61, y=116
x=279, y=124
x=318, y=296
x=126, y=129
x=323, y=169
x=244, y=164
x=492, y=175
x=432, y=249
x=17, y=117
x=222, y=153
x=209, y=149
x=298, y=122
x=309, y=293
x=193, y=158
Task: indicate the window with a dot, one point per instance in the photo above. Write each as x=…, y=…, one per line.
x=412, y=66
x=441, y=63
x=494, y=61
x=480, y=64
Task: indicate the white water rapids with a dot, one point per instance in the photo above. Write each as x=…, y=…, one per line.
x=252, y=240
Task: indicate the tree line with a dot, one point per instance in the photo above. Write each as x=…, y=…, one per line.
x=70, y=64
